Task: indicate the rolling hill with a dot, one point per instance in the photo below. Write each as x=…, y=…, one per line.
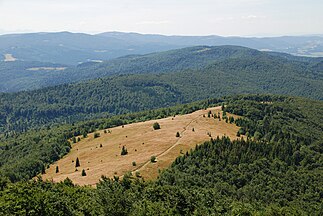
x=70, y=48
x=296, y=45
x=73, y=48
x=26, y=75
x=229, y=71
x=228, y=59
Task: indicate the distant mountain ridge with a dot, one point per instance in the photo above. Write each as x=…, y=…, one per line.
x=191, y=58
x=73, y=48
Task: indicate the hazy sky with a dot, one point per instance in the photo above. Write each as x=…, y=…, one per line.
x=180, y=17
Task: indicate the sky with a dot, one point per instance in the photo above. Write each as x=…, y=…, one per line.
x=169, y=17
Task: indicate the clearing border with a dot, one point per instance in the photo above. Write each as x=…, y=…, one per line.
x=102, y=155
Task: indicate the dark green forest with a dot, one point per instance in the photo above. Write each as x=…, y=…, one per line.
x=69, y=103
x=276, y=169
x=17, y=76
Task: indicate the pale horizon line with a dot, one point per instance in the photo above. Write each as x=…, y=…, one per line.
x=3, y=33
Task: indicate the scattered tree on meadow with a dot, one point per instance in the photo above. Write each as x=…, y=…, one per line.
x=153, y=159
x=83, y=173
x=77, y=163
x=224, y=115
x=177, y=134
x=156, y=126
x=134, y=163
x=57, y=170
x=96, y=135
x=124, y=150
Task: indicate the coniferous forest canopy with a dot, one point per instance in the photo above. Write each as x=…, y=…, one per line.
x=275, y=170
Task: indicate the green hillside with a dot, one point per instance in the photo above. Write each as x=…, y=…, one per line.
x=24, y=75
x=276, y=170
x=193, y=58
x=234, y=72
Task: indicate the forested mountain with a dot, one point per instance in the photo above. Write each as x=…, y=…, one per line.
x=72, y=48
x=26, y=75
x=276, y=170
x=231, y=60
x=297, y=45
x=257, y=73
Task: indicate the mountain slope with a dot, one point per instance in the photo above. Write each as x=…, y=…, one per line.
x=257, y=73
x=72, y=48
x=298, y=45
x=25, y=75
x=164, y=62
x=277, y=170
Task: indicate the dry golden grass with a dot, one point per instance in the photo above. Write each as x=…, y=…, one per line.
x=142, y=142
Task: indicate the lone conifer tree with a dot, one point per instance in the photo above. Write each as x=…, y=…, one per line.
x=77, y=163
x=57, y=170
x=209, y=114
x=177, y=134
x=124, y=151
x=83, y=173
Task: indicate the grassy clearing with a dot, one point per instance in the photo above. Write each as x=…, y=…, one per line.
x=102, y=155
x=46, y=68
x=9, y=58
